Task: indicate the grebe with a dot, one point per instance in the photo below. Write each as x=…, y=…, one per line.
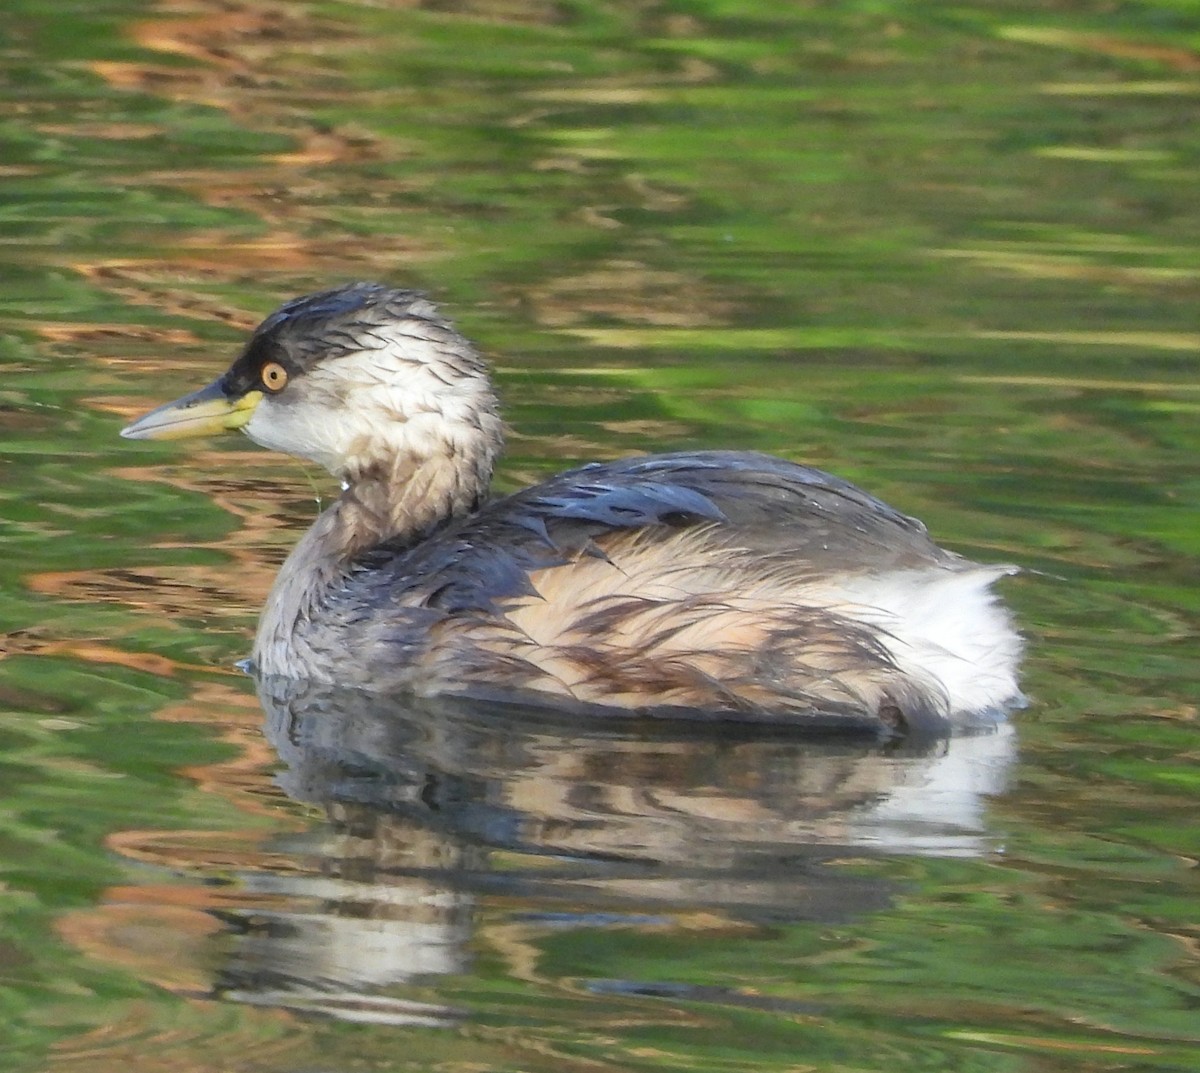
x=719, y=584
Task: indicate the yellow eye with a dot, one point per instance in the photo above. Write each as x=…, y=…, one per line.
x=274, y=376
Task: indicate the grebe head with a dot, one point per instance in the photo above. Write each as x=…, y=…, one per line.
x=363, y=379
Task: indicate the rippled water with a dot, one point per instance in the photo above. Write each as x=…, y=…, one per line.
x=948, y=252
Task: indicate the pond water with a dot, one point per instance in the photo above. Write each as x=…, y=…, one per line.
x=951, y=252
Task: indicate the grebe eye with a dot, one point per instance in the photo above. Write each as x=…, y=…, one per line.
x=274, y=376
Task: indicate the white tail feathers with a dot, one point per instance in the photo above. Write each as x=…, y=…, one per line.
x=942, y=626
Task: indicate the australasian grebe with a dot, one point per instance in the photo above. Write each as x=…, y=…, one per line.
x=727, y=584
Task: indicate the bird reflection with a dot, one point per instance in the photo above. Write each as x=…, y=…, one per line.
x=434, y=808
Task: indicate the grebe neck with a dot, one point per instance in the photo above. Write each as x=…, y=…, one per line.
x=406, y=499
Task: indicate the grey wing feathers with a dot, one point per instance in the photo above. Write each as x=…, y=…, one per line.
x=765, y=502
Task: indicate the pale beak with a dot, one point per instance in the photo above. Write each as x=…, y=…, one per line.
x=201, y=413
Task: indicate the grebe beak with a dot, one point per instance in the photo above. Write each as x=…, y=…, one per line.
x=201, y=413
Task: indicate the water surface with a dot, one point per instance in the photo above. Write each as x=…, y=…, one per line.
x=949, y=253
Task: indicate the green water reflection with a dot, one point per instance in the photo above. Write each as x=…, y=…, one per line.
x=947, y=251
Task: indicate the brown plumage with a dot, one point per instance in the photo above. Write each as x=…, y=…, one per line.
x=718, y=584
